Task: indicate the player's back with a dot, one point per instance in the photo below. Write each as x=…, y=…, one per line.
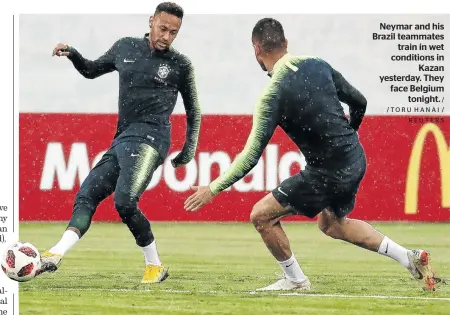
x=313, y=116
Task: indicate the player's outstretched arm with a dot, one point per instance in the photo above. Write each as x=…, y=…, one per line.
x=188, y=91
x=262, y=130
x=265, y=121
x=349, y=95
x=88, y=68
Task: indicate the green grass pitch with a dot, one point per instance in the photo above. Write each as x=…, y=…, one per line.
x=215, y=267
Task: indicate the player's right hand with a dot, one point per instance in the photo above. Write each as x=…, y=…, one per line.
x=60, y=50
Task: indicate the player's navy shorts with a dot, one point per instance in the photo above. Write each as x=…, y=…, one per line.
x=315, y=189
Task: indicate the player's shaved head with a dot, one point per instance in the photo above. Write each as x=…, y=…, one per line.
x=269, y=34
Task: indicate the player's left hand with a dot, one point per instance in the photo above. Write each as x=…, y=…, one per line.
x=201, y=197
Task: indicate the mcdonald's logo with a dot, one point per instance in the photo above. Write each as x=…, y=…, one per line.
x=412, y=176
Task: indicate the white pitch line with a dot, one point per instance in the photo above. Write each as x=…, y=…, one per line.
x=339, y=296
x=380, y=297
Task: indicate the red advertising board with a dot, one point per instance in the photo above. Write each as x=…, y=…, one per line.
x=408, y=175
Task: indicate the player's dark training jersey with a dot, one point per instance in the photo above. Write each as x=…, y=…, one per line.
x=303, y=98
x=149, y=82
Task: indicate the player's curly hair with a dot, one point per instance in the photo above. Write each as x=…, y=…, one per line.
x=170, y=8
x=270, y=34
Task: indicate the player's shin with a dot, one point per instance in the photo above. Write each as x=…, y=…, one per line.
x=139, y=226
x=277, y=242
x=79, y=224
x=362, y=234
x=137, y=223
x=273, y=236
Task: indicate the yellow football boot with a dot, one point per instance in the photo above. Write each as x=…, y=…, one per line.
x=155, y=274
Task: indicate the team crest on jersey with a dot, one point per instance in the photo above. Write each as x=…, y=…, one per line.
x=163, y=71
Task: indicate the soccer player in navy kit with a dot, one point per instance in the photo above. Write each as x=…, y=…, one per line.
x=151, y=73
x=303, y=98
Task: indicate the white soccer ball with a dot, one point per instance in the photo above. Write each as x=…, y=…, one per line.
x=21, y=261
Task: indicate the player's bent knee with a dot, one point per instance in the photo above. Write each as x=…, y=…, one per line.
x=124, y=202
x=125, y=211
x=329, y=225
x=254, y=215
x=83, y=197
x=259, y=216
x=331, y=231
x=334, y=230
x=323, y=222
